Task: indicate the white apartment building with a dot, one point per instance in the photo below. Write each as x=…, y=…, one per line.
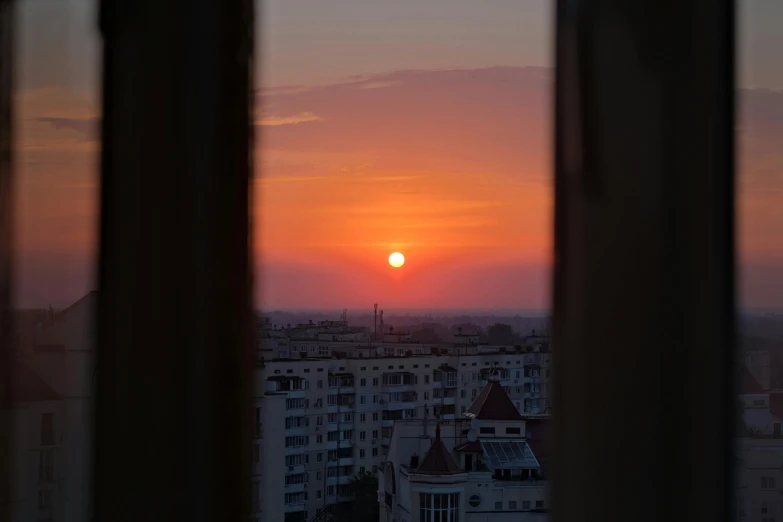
x=63, y=358
x=759, y=473
x=268, y=491
x=340, y=411
x=36, y=413
x=480, y=466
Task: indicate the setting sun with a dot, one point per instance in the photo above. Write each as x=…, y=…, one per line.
x=396, y=260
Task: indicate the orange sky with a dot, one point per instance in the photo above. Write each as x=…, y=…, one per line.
x=396, y=128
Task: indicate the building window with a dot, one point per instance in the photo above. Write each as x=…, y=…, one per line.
x=319, y=457
x=361, y=453
x=473, y=394
x=362, y=399
x=539, y=504
x=47, y=429
x=767, y=482
x=362, y=382
x=258, y=430
x=318, y=475
x=319, y=420
x=375, y=452
x=438, y=507
x=362, y=417
x=462, y=394
x=362, y=435
x=375, y=416
x=296, y=441
x=374, y=434
x=46, y=466
x=487, y=431
x=319, y=439
x=462, y=409
x=498, y=506
x=45, y=498
x=375, y=379
x=513, y=431
x=318, y=495
x=319, y=384
x=525, y=504
x=512, y=504
x=426, y=379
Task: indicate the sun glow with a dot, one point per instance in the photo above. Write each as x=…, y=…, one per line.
x=396, y=260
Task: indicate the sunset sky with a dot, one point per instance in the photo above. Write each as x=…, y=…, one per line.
x=419, y=126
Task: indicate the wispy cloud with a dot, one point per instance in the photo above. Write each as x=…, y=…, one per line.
x=274, y=121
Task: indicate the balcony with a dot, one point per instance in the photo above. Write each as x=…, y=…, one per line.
x=342, y=479
x=449, y=400
x=294, y=470
x=295, y=450
x=389, y=388
x=296, y=412
x=342, y=407
x=388, y=423
x=299, y=430
x=386, y=441
x=345, y=443
x=447, y=416
x=394, y=406
x=295, y=488
x=344, y=461
x=342, y=390
x=295, y=506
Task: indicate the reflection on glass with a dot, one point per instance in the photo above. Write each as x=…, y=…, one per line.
x=56, y=110
x=759, y=231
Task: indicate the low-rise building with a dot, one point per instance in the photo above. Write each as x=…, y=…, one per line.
x=466, y=469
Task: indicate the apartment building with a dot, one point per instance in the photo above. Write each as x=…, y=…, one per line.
x=759, y=473
x=340, y=411
x=35, y=412
x=268, y=492
x=469, y=469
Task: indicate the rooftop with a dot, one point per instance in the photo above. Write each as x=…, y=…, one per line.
x=493, y=404
x=438, y=460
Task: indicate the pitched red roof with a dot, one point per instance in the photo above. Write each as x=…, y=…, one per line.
x=438, y=461
x=748, y=383
x=493, y=403
x=27, y=386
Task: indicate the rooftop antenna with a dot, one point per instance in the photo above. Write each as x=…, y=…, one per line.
x=375, y=322
x=344, y=316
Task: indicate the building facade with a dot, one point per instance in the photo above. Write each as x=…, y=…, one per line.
x=340, y=411
x=468, y=469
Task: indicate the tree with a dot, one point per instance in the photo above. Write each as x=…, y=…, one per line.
x=500, y=333
x=364, y=508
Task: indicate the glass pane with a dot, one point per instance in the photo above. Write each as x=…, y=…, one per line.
x=403, y=221
x=56, y=149
x=760, y=262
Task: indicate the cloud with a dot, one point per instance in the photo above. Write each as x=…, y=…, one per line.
x=87, y=127
x=273, y=121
